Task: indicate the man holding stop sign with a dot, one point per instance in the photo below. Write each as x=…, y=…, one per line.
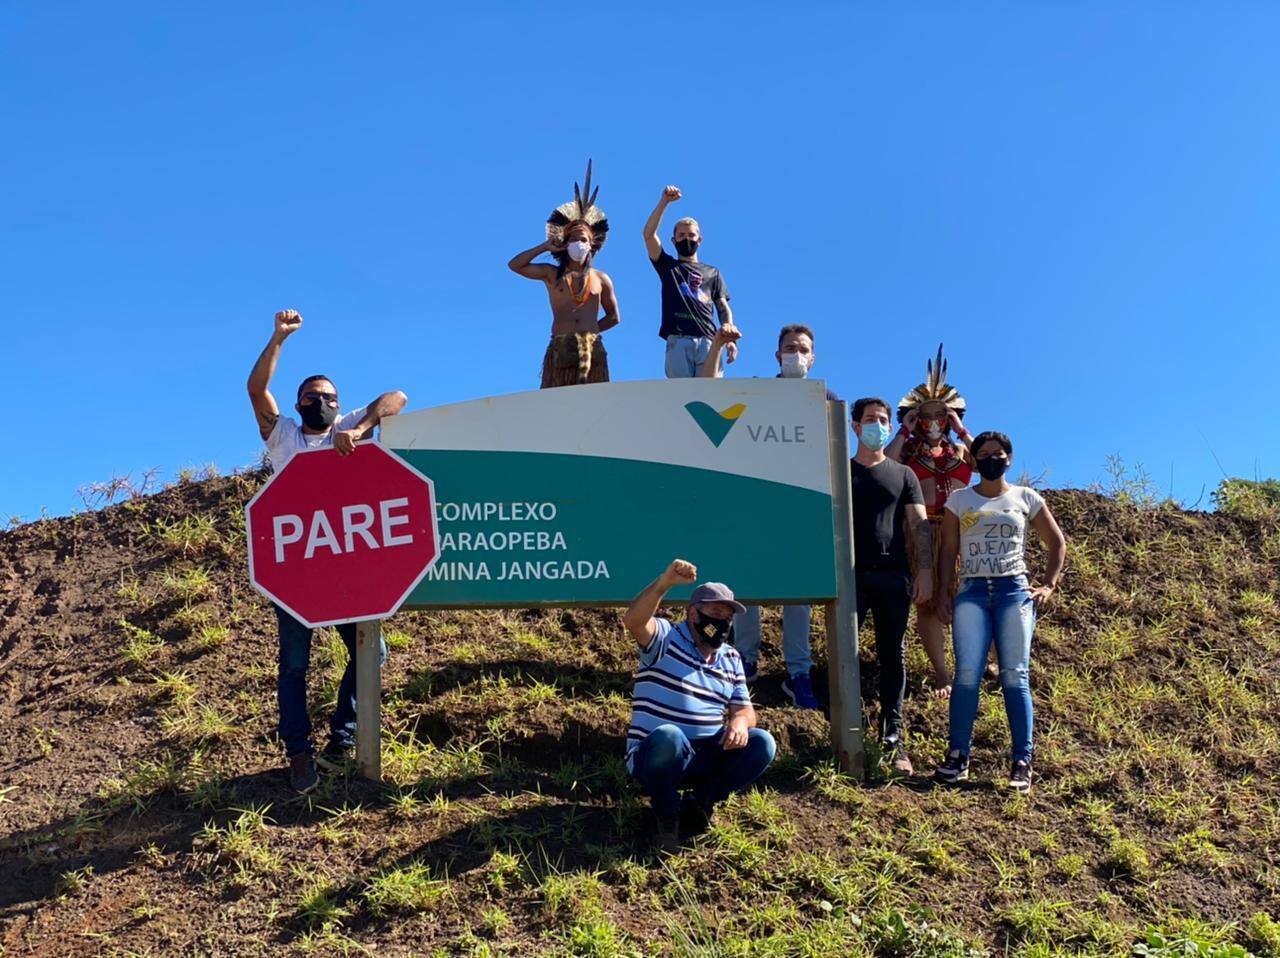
x=321, y=426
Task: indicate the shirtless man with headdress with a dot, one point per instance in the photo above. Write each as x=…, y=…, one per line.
x=575, y=233
x=928, y=415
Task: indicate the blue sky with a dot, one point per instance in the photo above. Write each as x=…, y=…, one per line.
x=1080, y=199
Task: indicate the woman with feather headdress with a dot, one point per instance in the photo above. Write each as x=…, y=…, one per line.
x=928, y=415
x=576, y=231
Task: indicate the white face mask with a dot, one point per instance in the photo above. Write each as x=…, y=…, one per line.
x=578, y=250
x=795, y=365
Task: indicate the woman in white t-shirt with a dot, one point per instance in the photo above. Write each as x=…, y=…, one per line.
x=985, y=528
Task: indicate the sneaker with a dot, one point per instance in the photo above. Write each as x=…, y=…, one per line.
x=750, y=672
x=335, y=756
x=799, y=688
x=899, y=761
x=667, y=835
x=695, y=817
x=302, y=773
x=954, y=769
x=1020, y=777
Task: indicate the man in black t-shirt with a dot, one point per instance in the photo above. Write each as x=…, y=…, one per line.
x=693, y=293
x=887, y=506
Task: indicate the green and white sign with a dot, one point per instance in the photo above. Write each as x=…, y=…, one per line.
x=581, y=495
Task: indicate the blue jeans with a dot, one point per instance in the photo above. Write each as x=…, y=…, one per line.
x=291, y=686
x=685, y=356
x=996, y=610
x=795, y=637
x=666, y=761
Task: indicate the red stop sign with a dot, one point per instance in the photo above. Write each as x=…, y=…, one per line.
x=334, y=539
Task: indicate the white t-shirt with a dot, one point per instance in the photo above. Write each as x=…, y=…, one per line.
x=287, y=437
x=993, y=532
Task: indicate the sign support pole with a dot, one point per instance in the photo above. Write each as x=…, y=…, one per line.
x=843, y=669
x=369, y=698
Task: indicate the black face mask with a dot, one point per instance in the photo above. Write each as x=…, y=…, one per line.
x=686, y=247
x=713, y=632
x=318, y=415
x=992, y=467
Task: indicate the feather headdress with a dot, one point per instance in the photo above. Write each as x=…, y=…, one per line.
x=935, y=388
x=581, y=209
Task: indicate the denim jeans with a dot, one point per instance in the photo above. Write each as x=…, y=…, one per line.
x=666, y=761
x=887, y=596
x=291, y=686
x=685, y=356
x=795, y=637
x=990, y=610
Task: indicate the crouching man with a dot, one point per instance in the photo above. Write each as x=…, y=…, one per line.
x=692, y=724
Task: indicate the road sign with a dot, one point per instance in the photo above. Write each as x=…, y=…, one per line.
x=337, y=539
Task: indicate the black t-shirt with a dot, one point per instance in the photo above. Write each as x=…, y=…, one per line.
x=689, y=295
x=881, y=494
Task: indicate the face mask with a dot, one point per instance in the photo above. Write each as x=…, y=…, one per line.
x=713, y=632
x=318, y=415
x=874, y=435
x=686, y=247
x=578, y=250
x=992, y=467
x=794, y=365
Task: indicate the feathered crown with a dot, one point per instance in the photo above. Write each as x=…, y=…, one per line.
x=935, y=388
x=581, y=209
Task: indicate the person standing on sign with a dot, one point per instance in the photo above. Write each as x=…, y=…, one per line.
x=692, y=293
x=692, y=724
x=985, y=528
x=576, y=232
x=795, y=358
x=928, y=415
x=888, y=512
x=321, y=426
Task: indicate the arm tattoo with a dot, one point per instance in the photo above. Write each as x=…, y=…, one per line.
x=267, y=422
x=922, y=539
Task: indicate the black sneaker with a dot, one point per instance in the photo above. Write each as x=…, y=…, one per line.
x=954, y=769
x=695, y=817
x=1020, y=777
x=335, y=756
x=667, y=835
x=302, y=773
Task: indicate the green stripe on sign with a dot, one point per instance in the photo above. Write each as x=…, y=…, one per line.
x=520, y=528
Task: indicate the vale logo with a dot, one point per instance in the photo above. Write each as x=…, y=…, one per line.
x=715, y=425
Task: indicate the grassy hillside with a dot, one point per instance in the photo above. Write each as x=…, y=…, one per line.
x=143, y=810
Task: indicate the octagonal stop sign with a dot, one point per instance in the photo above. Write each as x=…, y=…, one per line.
x=337, y=539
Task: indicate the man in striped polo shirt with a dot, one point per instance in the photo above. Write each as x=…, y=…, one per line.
x=692, y=724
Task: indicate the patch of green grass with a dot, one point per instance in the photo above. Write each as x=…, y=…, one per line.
x=404, y=890
x=211, y=637
x=189, y=586
x=174, y=687
x=239, y=848
x=140, y=646
x=1127, y=857
x=72, y=882
x=318, y=907
x=192, y=534
x=396, y=639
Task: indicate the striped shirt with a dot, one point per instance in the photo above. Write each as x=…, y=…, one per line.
x=676, y=686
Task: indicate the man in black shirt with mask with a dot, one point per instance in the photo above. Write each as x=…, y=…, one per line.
x=693, y=293
x=887, y=505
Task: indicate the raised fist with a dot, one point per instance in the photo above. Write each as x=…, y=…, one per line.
x=288, y=321
x=671, y=194
x=681, y=572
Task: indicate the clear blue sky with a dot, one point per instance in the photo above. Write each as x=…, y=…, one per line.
x=1081, y=199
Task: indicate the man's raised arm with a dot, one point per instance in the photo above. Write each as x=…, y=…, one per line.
x=638, y=618
x=288, y=322
x=388, y=404
x=523, y=263
x=651, y=241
